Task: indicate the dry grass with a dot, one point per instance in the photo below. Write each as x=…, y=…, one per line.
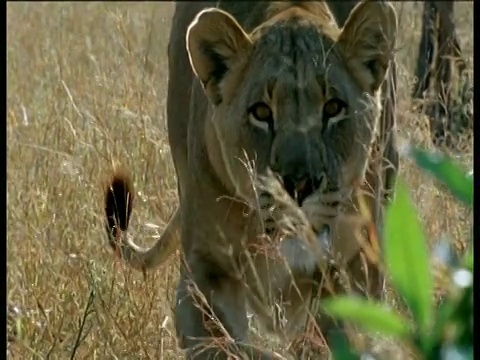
x=80, y=98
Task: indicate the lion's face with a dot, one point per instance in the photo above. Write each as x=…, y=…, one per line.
x=298, y=95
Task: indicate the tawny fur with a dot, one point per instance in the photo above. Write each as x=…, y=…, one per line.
x=221, y=63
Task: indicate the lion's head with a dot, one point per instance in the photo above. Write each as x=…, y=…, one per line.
x=298, y=94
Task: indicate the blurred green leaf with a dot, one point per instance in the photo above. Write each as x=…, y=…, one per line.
x=457, y=352
x=341, y=349
x=443, y=315
x=468, y=260
x=463, y=319
x=458, y=181
x=371, y=316
x=406, y=257
x=453, y=322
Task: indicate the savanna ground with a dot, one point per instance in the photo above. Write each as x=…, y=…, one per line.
x=86, y=91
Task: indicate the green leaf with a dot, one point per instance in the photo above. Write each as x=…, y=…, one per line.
x=341, y=349
x=468, y=260
x=406, y=257
x=443, y=316
x=450, y=174
x=458, y=352
x=371, y=316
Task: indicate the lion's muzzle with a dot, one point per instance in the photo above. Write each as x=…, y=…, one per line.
x=299, y=161
x=300, y=189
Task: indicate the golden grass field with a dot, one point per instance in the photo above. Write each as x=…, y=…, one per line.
x=87, y=90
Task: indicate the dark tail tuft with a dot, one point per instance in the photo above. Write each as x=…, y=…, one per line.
x=118, y=203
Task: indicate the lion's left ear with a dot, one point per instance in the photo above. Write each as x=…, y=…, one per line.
x=368, y=41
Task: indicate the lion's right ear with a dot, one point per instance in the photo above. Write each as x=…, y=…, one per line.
x=368, y=41
x=214, y=39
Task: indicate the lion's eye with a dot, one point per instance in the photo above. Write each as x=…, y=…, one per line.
x=261, y=115
x=333, y=108
x=260, y=111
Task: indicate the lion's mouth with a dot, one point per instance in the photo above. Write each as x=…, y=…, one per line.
x=300, y=190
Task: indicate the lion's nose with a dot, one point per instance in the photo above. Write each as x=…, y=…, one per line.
x=300, y=188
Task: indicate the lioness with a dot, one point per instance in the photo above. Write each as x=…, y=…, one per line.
x=256, y=87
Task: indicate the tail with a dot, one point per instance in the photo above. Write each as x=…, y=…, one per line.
x=119, y=198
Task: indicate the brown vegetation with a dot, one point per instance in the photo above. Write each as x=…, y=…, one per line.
x=440, y=72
